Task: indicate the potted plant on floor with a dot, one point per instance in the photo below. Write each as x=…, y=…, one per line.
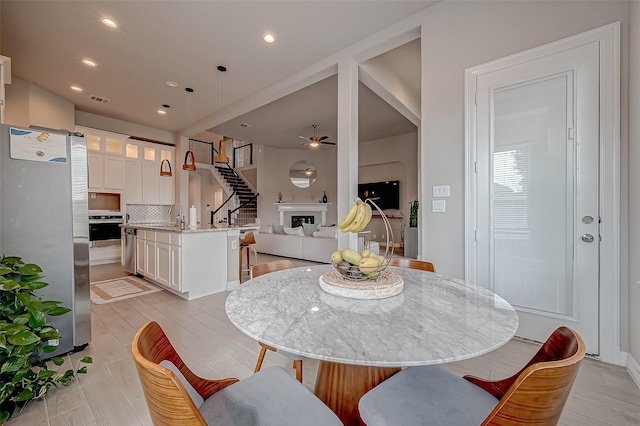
x=25, y=334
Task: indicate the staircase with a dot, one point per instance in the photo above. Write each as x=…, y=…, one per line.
x=244, y=194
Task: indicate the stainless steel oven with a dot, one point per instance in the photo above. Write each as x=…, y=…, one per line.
x=104, y=230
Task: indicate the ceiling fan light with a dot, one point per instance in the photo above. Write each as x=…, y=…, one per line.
x=314, y=144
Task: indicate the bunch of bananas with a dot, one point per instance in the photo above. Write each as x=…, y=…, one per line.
x=357, y=218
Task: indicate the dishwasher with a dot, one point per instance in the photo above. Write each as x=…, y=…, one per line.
x=129, y=254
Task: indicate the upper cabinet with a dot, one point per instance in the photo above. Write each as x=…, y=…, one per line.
x=119, y=164
x=105, y=159
x=144, y=185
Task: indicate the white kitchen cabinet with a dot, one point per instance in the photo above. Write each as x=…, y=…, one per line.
x=150, y=182
x=150, y=259
x=143, y=183
x=95, y=164
x=176, y=270
x=113, y=172
x=140, y=256
x=106, y=172
x=133, y=182
x=190, y=264
x=163, y=264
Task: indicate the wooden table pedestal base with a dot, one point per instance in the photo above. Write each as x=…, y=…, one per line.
x=340, y=387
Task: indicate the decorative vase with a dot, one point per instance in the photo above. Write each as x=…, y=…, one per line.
x=324, y=197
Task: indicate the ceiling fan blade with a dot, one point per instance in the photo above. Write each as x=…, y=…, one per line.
x=304, y=137
x=328, y=143
x=321, y=138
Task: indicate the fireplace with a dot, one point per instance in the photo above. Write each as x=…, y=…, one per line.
x=299, y=220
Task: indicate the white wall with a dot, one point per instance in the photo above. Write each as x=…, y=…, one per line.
x=634, y=181
x=394, y=158
x=455, y=36
x=31, y=105
x=273, y=177
x=95, y=121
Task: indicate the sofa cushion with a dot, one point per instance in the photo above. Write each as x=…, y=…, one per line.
x=266, y=229
x=326, y=232
x=309, y=229
x=294, y=231
x=278, y=229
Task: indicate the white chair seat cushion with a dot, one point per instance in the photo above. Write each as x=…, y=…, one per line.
x=269, y=397
x=427, y=395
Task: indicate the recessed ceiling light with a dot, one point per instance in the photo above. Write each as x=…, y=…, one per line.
x=172, y=83
x=76, y=88
x=269, y=38
x=109, y=22
x=89, y=62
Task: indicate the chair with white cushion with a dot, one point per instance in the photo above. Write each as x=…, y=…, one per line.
x=429, y=395
x=176, y=396
x=256, y=271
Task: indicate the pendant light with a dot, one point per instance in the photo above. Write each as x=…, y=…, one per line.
x=165, y=164
x=222, y=153
x=189, y=158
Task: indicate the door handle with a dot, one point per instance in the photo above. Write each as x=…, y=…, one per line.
x=587, y=238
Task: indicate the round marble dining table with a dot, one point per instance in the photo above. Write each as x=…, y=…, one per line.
x=434, y=320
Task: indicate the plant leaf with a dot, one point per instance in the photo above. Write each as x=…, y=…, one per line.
x=35, y=305
x=37, y=319
x=82, y=370
x=45, y=374
x=9, y=285
x=37, y=285
x=49, y=333
x=4, y=270
x=49, y=349
x=4, y=416
x=24, y=298
x=29, y=269
x=22, y=338
x=25, y=395
x=57, y=361
x=87, y=360
x=60, y=310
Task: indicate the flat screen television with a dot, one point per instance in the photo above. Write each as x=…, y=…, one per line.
x=385, y=194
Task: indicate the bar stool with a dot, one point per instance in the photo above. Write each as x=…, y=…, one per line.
x=247, y=243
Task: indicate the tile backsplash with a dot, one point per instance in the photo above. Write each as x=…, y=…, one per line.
x=149, y=213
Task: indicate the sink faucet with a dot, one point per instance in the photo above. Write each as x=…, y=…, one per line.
x=179, y=211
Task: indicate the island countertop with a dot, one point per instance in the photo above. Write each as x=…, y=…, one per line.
x=164, y=227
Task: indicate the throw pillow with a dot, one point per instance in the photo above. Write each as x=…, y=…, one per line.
x=309, y=229
x=278, y=229
x=294, y=231
x=266, y=229
x=326, y=232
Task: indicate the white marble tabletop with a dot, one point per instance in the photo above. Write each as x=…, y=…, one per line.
x=434, y=320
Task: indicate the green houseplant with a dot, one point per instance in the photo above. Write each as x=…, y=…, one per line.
x=25, y=335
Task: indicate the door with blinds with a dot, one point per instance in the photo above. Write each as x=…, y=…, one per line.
x=537, y=135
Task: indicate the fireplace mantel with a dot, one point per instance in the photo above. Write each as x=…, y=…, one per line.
x=303, y=207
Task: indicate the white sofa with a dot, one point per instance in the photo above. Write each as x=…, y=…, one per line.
x=316, y=249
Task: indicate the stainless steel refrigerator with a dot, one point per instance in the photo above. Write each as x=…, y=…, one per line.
x=44, y=219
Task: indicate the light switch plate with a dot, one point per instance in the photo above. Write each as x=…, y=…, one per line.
x=234, y=244
x=438, y=206
x=441, y=191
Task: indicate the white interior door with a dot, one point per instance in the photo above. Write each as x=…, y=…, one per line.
x=537, y=135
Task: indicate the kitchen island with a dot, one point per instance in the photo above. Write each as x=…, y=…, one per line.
x=188, y=262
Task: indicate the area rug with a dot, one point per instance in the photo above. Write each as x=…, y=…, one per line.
x=120, y=289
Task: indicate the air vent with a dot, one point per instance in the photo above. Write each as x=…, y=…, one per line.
x=246, y=125
x=99, y=99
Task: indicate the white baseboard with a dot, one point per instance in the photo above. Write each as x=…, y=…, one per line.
x=634, y=369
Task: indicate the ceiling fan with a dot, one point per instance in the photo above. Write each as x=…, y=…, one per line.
x=315, y=141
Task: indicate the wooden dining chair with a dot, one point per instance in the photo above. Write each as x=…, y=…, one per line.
x=429, y=395
x=403, y=262
x=256, y=271
x=176, y=396
x=247, y=243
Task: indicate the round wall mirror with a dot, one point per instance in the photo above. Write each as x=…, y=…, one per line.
x=302, y=174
